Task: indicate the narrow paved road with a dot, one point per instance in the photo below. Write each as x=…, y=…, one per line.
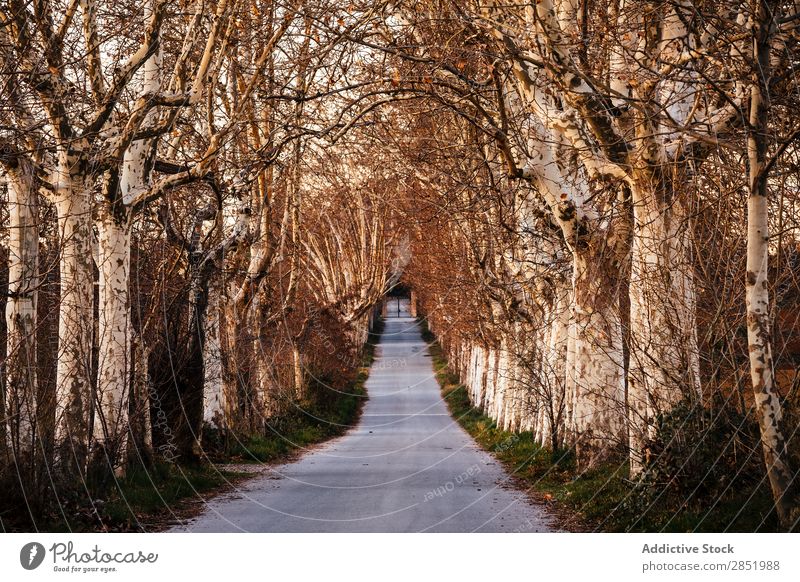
x=407, y=467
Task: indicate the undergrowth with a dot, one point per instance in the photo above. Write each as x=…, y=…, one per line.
x=149, y=497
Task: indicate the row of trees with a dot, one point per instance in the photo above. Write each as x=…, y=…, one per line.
x=174, y=232
x=623, y=180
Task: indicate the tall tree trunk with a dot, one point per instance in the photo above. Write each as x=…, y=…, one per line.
x=115, y=218
x=21, y=321
x=664, y=357
x=597, y=376
x=299, y=377
x=759, y=331
x=114, y=350
x=213, y=393
x=76, y=314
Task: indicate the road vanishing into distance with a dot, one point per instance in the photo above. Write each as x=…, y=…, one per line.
x=407, y=467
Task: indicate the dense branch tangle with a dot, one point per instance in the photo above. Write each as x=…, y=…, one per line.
x=199, y=109
x=610, y=113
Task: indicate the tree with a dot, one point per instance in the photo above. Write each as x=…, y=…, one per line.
x=762, y=22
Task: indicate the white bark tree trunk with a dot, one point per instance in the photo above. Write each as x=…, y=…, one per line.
x=595, y=369
x=759, y=335
x=298, y=375
x=23, y=280
x=213, y=393
x=557, y=362
x=598, y=392
x=76, y=314
x=112, y=395
x=501, y=387
x=664, y=357
x=114, y=348
x=767, y=400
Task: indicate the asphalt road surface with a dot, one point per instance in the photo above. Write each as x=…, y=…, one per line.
x=406, y=467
